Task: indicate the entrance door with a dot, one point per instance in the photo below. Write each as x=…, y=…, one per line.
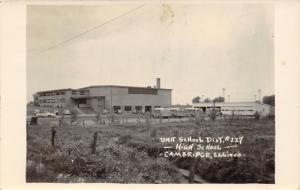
x=82, y=103
x=148, y=108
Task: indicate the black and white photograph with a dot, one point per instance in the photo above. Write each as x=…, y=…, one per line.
x=162, y=93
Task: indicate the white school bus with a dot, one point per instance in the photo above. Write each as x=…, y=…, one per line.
x=177, y=112
x=191, y=112
x=163, y=112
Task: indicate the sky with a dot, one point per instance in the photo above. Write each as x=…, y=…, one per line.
x=196, y=49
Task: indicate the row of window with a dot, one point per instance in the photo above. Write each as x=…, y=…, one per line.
x=131, y=108
x=127, y=108
x=52, y=105
x=151, y=91
x=51, y=93
x=81, y=92
x=52, y=100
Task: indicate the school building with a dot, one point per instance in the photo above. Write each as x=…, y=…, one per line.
x=107, y=97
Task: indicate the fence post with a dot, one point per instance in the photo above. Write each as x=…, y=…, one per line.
x=153, y=134
x=94, y=143
x=160, y=118
x=147, y=118
x=112, y=119
x=53, y=132
x=139, y=119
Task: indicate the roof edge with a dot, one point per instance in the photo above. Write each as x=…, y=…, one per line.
x=120, y=86
x=99, y=86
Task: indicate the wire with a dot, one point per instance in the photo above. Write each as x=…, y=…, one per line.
x=87, y=31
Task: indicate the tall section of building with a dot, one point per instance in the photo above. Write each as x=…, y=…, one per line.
x=107, y=97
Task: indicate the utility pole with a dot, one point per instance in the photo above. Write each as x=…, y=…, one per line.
x=254, y=97
x=223, y=93
x=259, y=92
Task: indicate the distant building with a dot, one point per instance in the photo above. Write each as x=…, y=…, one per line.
x=107, y=97
x=237, y=108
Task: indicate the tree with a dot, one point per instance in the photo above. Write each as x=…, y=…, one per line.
x=196, y=99
x=270, y=100
x=207, y=100
x=219, y=99
x=73, y=115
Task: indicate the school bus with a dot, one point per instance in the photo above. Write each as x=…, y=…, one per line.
x=162, y=112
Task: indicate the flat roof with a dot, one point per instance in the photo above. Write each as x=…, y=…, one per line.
x=101, y=86
x=55, y=90
x=118, y=86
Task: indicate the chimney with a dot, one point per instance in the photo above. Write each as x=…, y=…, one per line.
x=157, y=82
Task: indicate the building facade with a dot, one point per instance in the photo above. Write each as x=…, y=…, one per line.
x=237, y=108
x=107, y=97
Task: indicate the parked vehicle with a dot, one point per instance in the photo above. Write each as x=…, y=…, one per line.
x=191, y=112
x=163, y=112
x=177, y=112
x=46, y=114
x=66, y=112
x=36, y=111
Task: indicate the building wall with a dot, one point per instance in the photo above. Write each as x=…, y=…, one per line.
x=68, y=97
x=96, y=104
x=239, y=108
x=103, y=91
x=119, y=97
x=53, y=99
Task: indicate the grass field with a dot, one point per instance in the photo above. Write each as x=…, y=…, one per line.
x=131, y=154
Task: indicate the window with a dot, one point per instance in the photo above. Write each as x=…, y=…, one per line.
x=116, y=108
x=127, y=108
x=137, y=90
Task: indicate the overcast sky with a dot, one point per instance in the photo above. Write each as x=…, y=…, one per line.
x=195, y=49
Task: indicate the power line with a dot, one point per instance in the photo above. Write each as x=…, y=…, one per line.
x=87, y=31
